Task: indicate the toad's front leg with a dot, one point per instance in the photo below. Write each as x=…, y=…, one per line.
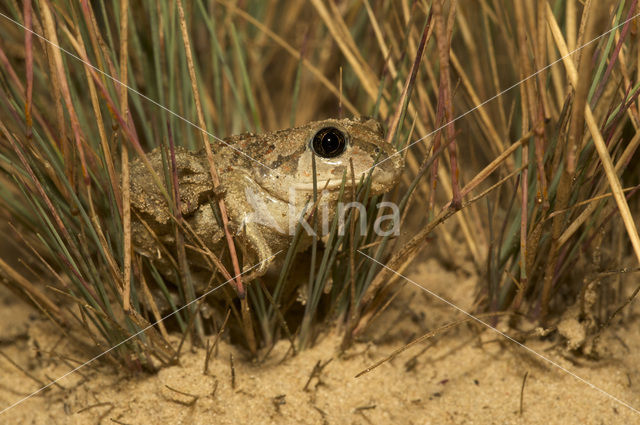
x=257, y=251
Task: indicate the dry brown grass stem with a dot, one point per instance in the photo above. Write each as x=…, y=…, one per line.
x=15, y=80
x=33, y=291
x=574, y=139
x=584, y=216
x=155, y=311
x=443, y=38
x=384, y=49
x=28, y=59
x=246, y=316
x=603, y=153
x=66, y=94
x=124, y=109
x=408, y=86
x=49, y=33
x=529, y=106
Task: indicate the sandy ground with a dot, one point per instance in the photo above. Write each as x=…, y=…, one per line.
x=469, y=375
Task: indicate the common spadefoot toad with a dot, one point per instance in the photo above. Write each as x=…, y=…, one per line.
x=266, y=181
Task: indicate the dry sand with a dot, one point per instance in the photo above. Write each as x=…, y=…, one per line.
x=469, y=375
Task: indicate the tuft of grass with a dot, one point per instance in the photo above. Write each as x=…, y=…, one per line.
x=466, y=90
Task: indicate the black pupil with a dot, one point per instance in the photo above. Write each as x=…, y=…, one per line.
x=329, y=142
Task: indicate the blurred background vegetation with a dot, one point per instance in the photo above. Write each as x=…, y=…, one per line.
x=530, y=165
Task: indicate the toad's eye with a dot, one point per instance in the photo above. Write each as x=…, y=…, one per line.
x=329, y=142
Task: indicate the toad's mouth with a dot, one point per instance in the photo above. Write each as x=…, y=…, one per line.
x=381, y=176
x=303, y=188
x=320, y=185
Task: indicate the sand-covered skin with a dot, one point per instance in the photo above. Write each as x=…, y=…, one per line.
x=469, y=375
